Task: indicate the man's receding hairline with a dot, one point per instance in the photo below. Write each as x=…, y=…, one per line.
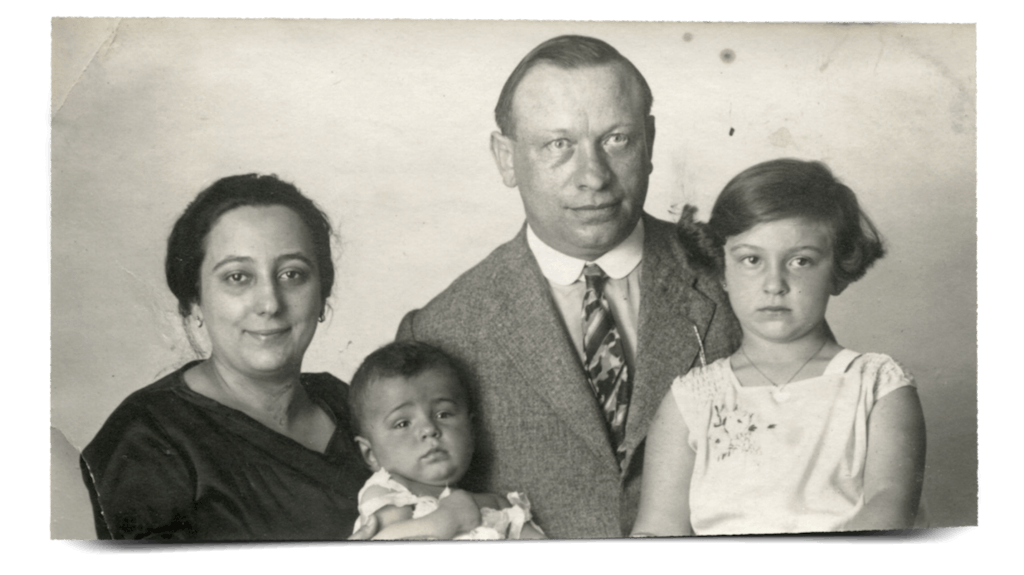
x=624, y=68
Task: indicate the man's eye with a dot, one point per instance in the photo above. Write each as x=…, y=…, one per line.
x=559, y=144
x=617, y=140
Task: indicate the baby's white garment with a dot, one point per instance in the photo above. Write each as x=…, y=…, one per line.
x=781, y=461
x=495, y=524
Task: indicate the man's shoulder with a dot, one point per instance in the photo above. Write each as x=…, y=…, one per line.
x=476, y=289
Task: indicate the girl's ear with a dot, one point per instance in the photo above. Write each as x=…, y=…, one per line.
x=366, y=450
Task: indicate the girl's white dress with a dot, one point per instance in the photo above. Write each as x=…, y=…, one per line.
x=781, y=461
x=496, y=524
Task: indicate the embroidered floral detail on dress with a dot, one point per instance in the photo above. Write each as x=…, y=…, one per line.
x=733, y=430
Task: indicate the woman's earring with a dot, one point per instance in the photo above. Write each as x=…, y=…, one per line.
x=322, y=317
x=199, y=322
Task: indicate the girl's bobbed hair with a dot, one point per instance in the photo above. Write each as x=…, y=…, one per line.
x=186, y=246
x=781, y=189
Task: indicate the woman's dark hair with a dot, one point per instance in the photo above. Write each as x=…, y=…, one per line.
x=398, y=359
x=186, y=246
x=780, y=189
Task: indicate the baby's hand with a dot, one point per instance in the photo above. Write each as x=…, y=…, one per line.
x=461, y=509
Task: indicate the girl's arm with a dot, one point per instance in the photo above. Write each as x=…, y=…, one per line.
x=894, y=471
x=668, y=466
x=455, y=514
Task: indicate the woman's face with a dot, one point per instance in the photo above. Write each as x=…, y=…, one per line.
x=779, y=278
x=259, y=291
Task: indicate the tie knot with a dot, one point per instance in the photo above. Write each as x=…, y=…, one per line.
x=594, y=276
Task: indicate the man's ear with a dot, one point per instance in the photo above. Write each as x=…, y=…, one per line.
x=501, y=149
x=649, y=133
x=366, y=450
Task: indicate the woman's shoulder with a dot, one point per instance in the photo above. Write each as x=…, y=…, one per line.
x=328, y=389
x=156, y=396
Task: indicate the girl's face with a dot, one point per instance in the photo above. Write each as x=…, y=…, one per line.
x=260, y=291
x=418, y=428
x=779, y=278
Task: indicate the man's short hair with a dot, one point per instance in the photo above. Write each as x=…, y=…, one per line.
x=567, y=52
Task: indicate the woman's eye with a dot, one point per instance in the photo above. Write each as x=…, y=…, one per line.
x=236, y=278
x=293, y=275
x=802, y=262
x=751, y=260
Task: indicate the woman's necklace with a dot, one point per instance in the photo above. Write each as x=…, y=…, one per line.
x=779, y=393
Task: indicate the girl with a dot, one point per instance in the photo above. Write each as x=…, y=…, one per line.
x=792, y=433
x=414, y=431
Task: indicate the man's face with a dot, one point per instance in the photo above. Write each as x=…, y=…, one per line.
x=580, y=155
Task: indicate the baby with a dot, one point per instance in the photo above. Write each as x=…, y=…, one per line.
x=413, y=426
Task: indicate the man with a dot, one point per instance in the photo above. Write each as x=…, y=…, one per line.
x=572, y=333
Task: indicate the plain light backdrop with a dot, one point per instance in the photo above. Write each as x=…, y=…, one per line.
x=386, y=125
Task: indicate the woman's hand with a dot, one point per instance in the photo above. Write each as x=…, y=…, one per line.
x=367, y=531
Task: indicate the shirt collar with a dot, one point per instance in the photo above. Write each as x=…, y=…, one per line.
x=561, y=269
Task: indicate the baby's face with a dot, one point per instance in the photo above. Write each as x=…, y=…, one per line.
x=419, y=429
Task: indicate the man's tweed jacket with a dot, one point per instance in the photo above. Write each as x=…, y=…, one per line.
x=539, y=428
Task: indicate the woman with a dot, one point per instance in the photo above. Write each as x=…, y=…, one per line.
x=241, y=445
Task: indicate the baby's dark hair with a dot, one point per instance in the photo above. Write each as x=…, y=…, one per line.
x=398, y=359
x=780, y=189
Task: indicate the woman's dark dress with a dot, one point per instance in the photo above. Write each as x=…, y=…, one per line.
x=170, y=463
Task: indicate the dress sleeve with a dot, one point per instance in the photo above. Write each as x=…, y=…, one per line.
x=889, y=375
x=140, y=484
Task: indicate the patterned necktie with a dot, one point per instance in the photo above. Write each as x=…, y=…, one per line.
x=605, y=358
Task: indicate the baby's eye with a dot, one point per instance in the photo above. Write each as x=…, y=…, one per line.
x=444, y=414
x=401, y=424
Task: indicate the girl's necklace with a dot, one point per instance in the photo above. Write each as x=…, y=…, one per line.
x=779, y=392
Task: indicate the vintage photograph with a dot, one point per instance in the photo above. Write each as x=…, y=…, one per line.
x=323, y=280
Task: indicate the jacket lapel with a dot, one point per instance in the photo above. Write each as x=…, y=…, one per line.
x=529, y=330
x=667, y=346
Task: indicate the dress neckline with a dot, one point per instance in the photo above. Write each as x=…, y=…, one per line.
x=838, y=365
x=192, y=396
